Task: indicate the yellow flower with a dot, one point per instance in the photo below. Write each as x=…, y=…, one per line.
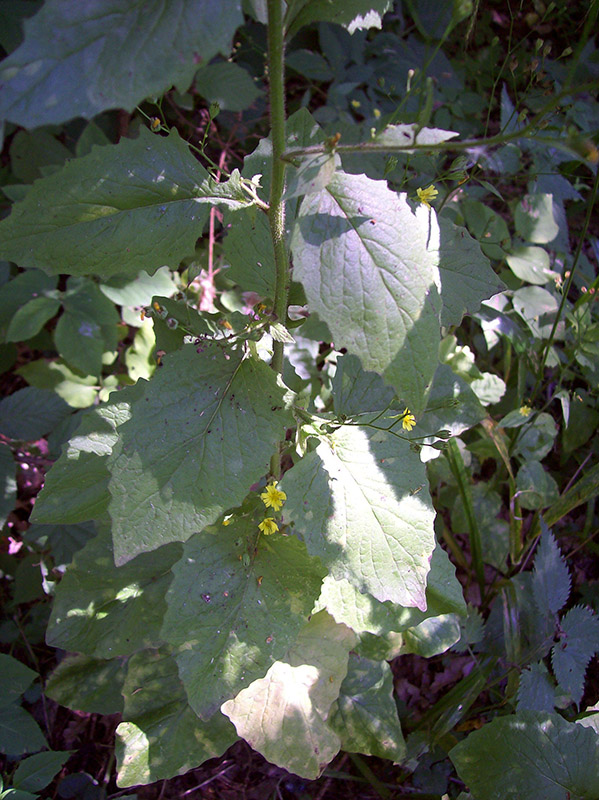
x=426, y=195
x=356, y=103
x=525, y=410
x=408, y=420
x=273, y=497
x=377, y=113
x=268, y=526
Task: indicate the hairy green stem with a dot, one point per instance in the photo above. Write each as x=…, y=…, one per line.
x=276, y=212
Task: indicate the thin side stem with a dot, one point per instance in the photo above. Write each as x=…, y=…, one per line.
x=276, y=212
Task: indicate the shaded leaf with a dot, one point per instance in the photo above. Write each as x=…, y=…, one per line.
x=37, y=771
x=530, y=755
x=578, y=642
x=550, y=577
x=365, y=716
x=19, y=732
x=535, y=690
x=76, y=487
x=15, y=679
x=227, y=84
x=98, y=607
x=88, y=684
x=30, y=413
x=79, y=59
x=237, y=602
x=84, y=218
x=201, y=435
x=160, y=735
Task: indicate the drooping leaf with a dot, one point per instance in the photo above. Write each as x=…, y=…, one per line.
x=352, y=14
x=140, y=290
x=248, y=250
x=361, y=503
x=531, y=264
x=76, y=487
x=578, y=642
x=283, y=715
x=23, y=288
x=201, y=435
x=98, y=607
x=536, y=487
x=84, y=219
x=237, y=602
x=362, y=257
x=88, y=684
x=362, y=613
x=365, y=716
x=79, y=59
x=452, y=405
x=160, y=735
x=29, y=413
x=550, y=577
x=530, y=755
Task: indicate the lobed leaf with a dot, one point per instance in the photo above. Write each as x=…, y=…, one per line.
x=578, y=642
x=550, y=577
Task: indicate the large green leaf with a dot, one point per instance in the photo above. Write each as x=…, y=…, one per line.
x=161, y=736
x=201, y=435
x=530, y=755
x=136, y=205
x=81, y=58
x=362, y=257
x=361, y=502
x=76, y=488
x=283, y=715
x=365, y=716
x=106, y=611
x=237, y=602
x=19, y=732
x=30, y=413
x=363, y=614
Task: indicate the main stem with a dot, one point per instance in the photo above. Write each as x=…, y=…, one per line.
x=276, y=212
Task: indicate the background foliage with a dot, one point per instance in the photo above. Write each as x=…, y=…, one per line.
x=429, y=599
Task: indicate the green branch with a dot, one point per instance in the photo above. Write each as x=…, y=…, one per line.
x=276, y=211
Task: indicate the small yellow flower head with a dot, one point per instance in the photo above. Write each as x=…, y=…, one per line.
x=155, y=124
x=356, y=103
x=228, y=520
x=525, y=410
x=268, y=526
x=426, y=195
x=377, y=113
x=273, y=497
x=408, y=421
